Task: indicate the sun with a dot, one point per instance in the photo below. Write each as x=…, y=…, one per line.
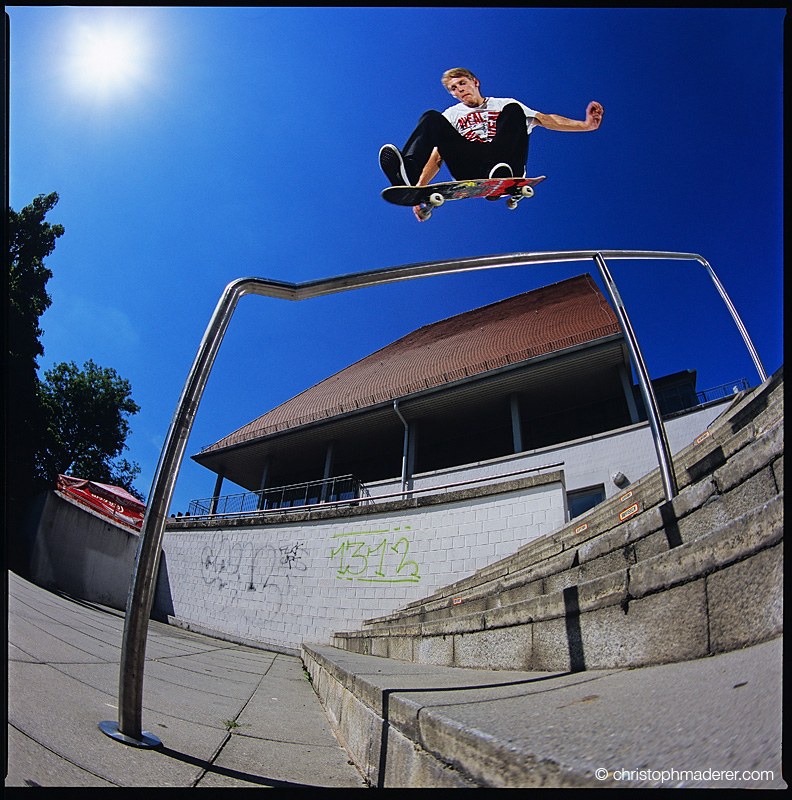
x=106, y=59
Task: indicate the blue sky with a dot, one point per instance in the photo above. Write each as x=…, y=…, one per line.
x=193, y=158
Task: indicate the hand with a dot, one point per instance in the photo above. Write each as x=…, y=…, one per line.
x=594, y=114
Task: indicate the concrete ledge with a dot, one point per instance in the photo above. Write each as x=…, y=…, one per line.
x=421, y=726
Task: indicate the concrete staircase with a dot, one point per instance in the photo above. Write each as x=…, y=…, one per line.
x=637, y=582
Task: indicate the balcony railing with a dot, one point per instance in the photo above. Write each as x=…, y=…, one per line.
x=718, y=392
x=238, y=505
x=348, y=488
x=330, y=490
x=683, y=397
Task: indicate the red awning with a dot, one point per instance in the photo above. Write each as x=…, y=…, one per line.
x=112, y=501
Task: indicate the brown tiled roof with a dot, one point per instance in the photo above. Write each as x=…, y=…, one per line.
x=544, y=320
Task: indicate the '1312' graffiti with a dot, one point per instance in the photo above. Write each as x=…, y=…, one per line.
x=374, y=557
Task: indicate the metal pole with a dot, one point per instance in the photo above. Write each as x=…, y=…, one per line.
x=736, y=317
x=655, y=423
x=133, y=648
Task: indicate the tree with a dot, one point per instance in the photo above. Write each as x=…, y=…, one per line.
x=30, y=240
x=73, y=421
x=86, y=414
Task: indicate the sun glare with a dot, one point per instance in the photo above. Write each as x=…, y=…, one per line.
x=106, y=59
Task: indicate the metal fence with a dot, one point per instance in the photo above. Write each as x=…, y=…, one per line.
x=673, y=399
x=725, y=390
x=311, y=493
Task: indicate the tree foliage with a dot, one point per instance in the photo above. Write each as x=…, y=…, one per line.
x=30, y=240
x=86, y=413
x=74, y=421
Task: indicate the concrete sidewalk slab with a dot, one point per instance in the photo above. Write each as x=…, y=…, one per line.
x=227, y=714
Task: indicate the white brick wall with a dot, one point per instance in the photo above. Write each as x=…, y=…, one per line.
x=288, y=583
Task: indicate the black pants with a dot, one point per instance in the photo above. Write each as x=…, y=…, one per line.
x=466, y=159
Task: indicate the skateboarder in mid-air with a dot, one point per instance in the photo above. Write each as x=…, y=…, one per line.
x=480, y=137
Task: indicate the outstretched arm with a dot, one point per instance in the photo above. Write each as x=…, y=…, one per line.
x=429, y=171
x=431, y=168
x=555, y=122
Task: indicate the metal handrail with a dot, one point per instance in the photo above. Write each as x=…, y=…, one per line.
x=141, y=594
x=662, y=448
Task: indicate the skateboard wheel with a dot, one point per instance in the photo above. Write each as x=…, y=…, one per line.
x=527, y=191
x=436, y=199
x=425, y=213
x=511, y=203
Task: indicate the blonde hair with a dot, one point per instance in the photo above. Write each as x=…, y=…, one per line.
x=457, y=72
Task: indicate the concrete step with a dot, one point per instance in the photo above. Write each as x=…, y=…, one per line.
x=718, y=592
x=694, y=513
x=713, y=722
x=754, y=424
x=612, y=653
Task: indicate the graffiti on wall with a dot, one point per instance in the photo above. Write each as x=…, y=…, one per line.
x=374, y=557
x=239, y=566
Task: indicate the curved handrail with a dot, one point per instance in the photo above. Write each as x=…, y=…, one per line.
x=141, y=593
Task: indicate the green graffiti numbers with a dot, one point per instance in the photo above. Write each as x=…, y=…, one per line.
x=374, y=557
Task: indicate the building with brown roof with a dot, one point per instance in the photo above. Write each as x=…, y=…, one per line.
x=542, y=367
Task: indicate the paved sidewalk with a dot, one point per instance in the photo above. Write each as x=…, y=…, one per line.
x=227, y=715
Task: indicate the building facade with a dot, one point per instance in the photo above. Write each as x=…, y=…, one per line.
x=528, y=372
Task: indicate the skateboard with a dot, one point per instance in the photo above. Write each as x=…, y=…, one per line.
x=435, y=194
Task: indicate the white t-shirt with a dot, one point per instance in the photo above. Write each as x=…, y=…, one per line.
x=478, y=124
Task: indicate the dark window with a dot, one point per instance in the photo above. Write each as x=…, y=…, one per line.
x=584, y=499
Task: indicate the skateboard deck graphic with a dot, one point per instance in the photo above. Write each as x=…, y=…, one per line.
x=434, y=195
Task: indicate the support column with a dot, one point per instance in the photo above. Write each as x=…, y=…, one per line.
x=516, y=426
x=216, y=495
x=626, y=380
x=408, y=449
x=412, y=450
x=328, y=467
x=263, y=484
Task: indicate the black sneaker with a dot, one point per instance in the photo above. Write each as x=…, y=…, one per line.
x=392, y=164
